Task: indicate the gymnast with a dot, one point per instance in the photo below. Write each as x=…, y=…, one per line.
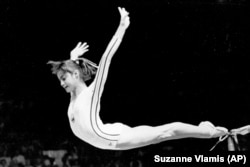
x=84, y=106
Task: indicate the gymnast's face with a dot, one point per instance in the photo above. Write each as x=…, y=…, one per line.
x=67, y=81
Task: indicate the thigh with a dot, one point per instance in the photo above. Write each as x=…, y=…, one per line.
x=114, y=128
x=137, y=137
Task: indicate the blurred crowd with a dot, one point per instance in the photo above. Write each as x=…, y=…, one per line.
x=20, y=152
x=23, y=150
x=32, y=156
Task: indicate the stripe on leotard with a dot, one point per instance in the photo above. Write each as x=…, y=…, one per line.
x=95, y=103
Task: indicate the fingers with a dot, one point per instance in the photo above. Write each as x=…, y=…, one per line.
x=123, y=12
x=81, y=45
x=78, y=45
x=84, y=45
x=120, y=9
x=79, y=50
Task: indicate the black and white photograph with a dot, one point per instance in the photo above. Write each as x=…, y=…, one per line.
x=124, y=83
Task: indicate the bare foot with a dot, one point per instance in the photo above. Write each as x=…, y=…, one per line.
x=212, y=130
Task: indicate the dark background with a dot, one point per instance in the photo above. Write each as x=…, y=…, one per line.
x=180, y=60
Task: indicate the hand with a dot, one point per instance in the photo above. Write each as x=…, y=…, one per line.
x=124, y=22
x=79, y=50
x=213, y=131
x=242, y=131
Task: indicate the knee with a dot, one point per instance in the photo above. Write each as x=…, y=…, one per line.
x=169, y=131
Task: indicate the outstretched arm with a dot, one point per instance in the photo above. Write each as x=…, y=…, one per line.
x=79, y=50
x=112, y=47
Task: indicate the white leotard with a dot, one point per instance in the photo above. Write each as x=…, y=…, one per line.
x=86, y=124
x=83, y=112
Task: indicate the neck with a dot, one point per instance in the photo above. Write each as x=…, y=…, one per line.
x=78, y=90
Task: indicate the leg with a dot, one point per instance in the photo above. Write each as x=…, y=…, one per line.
x=146, y=135
x=137, y=137
x=97, y=87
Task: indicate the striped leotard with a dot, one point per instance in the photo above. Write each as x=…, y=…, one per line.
x=86, y=124
x=83, y=112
